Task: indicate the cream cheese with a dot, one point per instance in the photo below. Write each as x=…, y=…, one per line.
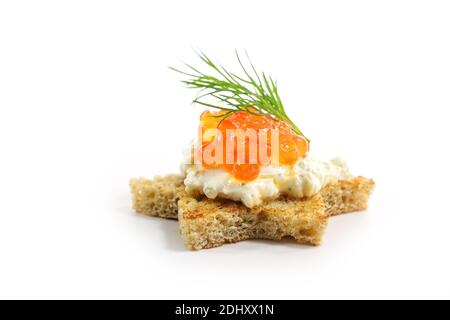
x=305, y=179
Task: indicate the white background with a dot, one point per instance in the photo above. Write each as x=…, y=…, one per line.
x=87, y=102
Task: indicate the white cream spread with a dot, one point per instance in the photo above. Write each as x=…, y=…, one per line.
x=305, y=179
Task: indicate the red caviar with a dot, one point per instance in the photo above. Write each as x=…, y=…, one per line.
x=291, y=145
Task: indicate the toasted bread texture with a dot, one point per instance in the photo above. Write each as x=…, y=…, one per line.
x=157, y=197
x=206, y=223
x=347, y=196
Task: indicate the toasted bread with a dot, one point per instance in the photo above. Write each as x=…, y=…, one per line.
x=158, y=197
x=347, y=195
x=206, y=223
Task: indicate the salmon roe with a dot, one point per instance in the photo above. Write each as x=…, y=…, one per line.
x=292, y=146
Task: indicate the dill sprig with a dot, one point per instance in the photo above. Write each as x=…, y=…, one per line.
x=253, y=92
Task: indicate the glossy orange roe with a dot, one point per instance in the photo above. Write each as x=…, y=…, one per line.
x=292, y=146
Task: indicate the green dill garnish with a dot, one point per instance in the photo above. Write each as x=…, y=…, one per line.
x=252, y=92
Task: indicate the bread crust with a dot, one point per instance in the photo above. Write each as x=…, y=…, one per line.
x=206, y=223
x=157, y=197
x=347, y=195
